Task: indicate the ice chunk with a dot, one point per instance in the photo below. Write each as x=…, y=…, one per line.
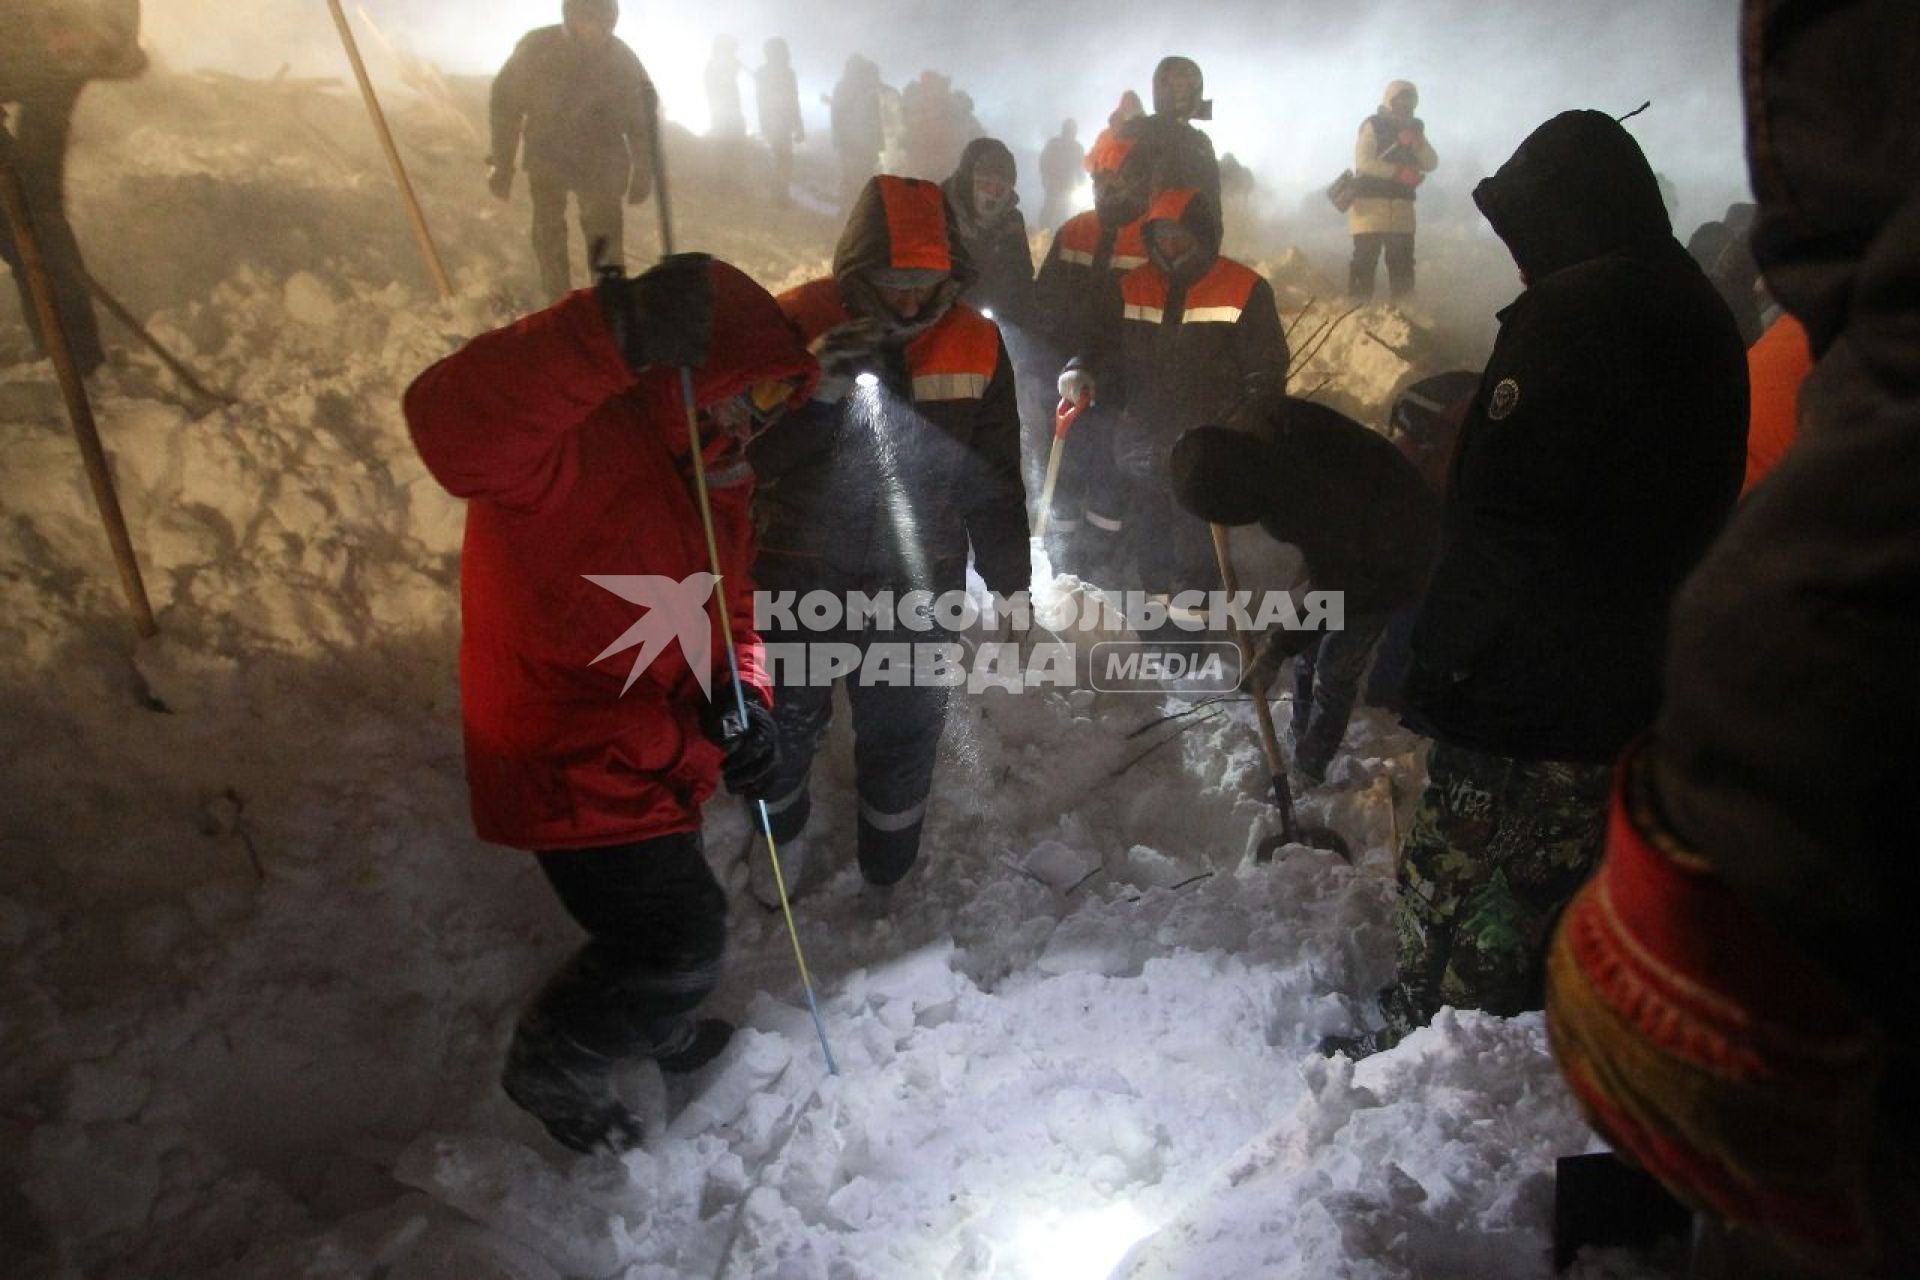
x=510, y=1189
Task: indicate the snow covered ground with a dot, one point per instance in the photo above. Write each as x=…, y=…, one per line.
x=256, y=975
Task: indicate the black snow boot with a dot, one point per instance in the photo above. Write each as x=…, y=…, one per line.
x=700, y=1042
x=568, y=1088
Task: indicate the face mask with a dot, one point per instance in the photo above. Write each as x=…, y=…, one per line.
x=991, y=197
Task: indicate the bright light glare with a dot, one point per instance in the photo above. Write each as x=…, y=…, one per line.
x=987, y=312
x=1079, y=1246
x=867, y=381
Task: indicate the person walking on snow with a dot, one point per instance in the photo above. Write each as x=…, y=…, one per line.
x=777, y=99
x=859, y=130
x=590, y=741
x=1391, y=158
x=885, y=487
x=585, y=107
x=50, y=55
x=1061, y=162
x=726, y=119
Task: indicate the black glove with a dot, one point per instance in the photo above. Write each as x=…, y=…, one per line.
x=752, y=749
x=665, y=316
x=844, y=352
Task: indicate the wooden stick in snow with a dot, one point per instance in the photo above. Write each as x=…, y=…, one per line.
x=167, y=358
x=420, y=229
x=33, y=264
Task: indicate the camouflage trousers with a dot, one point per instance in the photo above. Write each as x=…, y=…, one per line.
x=1497, y=850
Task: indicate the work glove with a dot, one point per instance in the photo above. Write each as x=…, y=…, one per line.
x=751, y=748
x=663, y=316
x=500, y=181
x=844, y=352
x=1076, y=384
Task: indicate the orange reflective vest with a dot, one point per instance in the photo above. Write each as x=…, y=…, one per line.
x=1220, y=296
x=1080, y=238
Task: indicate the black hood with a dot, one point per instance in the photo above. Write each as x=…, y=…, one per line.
x=1198, y=214
x=991, y=154
x=1176, y=67
x=1579, y=187
x=901, y=224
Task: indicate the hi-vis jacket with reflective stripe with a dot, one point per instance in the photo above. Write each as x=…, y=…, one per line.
x=1179, y=348
x=887, y=488
x=1085, y=257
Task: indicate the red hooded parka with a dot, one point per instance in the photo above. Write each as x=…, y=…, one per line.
x=575, y=466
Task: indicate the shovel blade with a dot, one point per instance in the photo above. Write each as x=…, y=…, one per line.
x=1312, y=837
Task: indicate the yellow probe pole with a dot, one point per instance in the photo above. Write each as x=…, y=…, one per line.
x=720, y=599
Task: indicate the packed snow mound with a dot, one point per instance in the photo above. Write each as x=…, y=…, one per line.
x=259, y=975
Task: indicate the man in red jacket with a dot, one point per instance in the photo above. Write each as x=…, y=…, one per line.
x=567, y=433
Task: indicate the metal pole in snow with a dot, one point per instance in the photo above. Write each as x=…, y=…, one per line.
x=412, y=201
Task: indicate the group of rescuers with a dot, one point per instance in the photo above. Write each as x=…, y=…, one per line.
x=1525, y=538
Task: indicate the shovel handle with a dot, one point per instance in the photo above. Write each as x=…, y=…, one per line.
x=1290, y=832
x=1283, y=802
x=1064, y=417
x=1262, y=710
x=1046, y=490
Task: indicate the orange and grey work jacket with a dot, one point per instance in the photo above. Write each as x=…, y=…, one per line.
x=1086, y=257
x=889, y=487
x=1183, y=347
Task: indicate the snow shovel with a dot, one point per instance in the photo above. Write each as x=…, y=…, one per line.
x=1291, y=832
x=1063, y=419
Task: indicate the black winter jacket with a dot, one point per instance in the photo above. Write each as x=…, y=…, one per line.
x=1001, y=254
x=1602, y=454
x=1364, y=521
x=1177, y=154
x=1177, y=349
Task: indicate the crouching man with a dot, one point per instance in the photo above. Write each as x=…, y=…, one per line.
x=1364, y=524
x=595, y=689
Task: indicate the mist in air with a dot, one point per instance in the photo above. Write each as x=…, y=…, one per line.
x=1290, y=80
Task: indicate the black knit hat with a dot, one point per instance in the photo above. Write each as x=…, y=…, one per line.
x=1222, y=475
